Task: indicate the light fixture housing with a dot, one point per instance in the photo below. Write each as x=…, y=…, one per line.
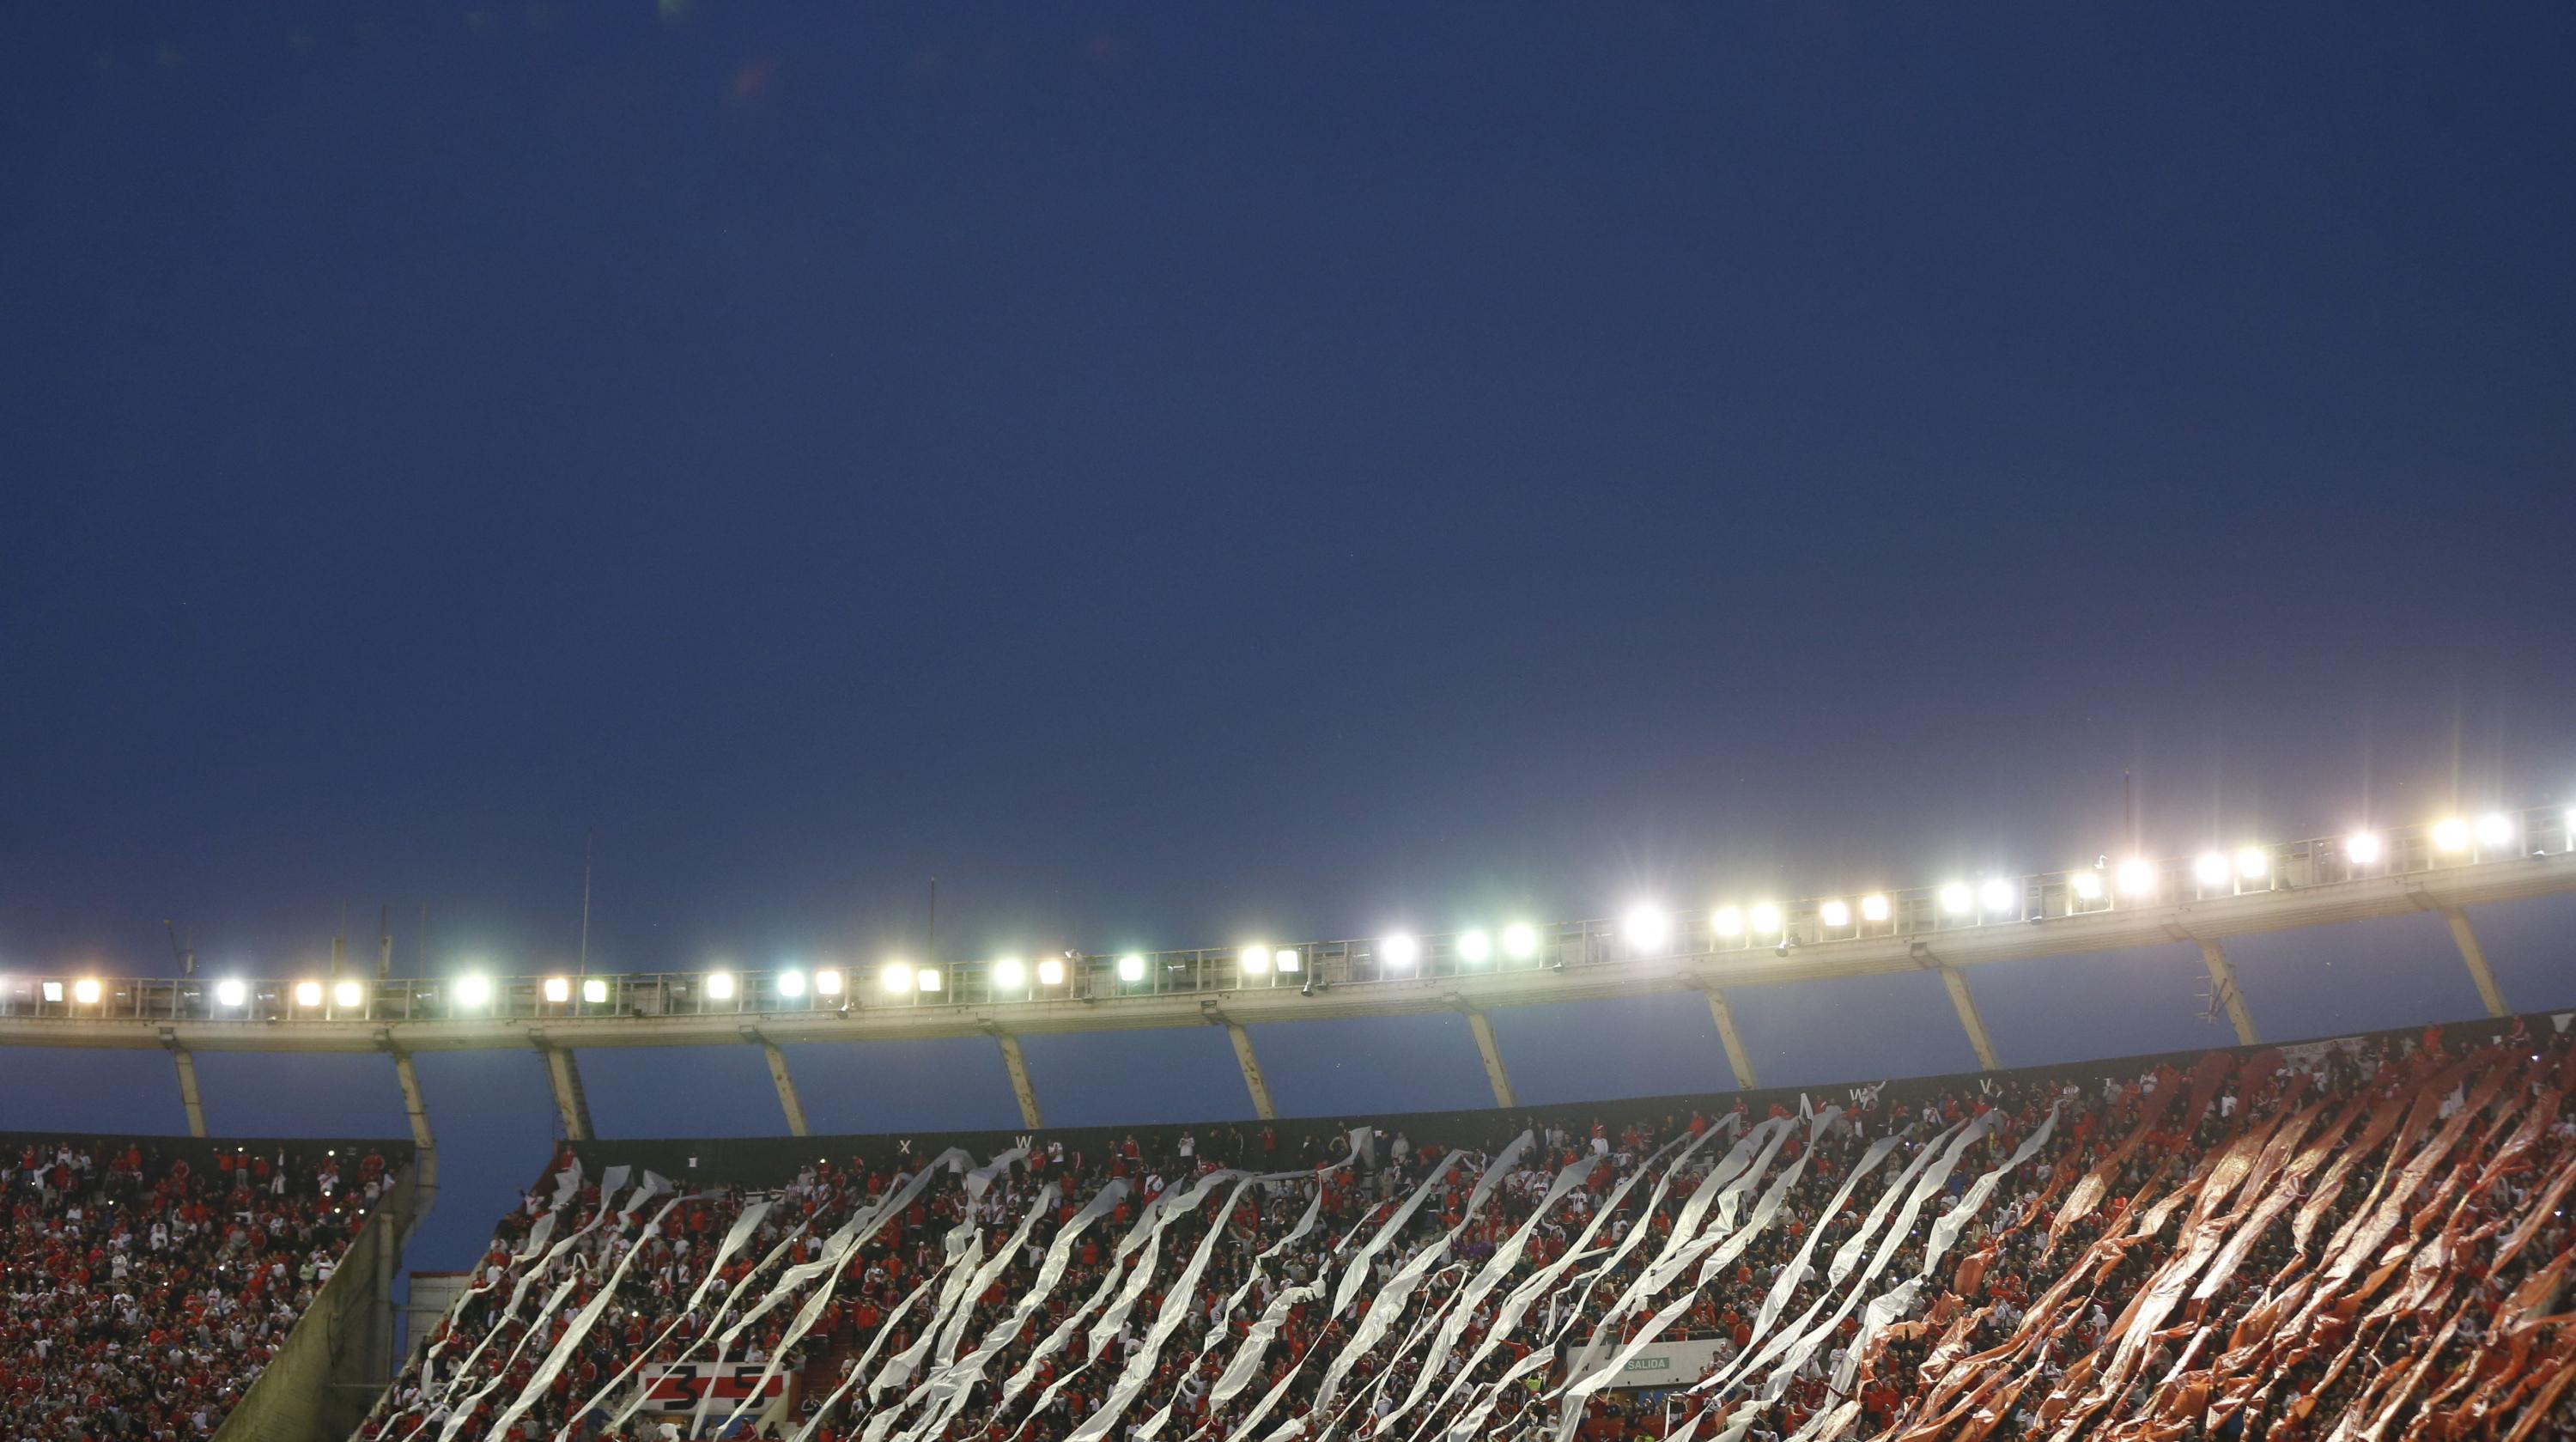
x=1764, y=918
x=828, y=981
x=308, y=993
x=594, y=990
x=896, y=978
x=1009, y=974
x=1399, y=950
x=231, y=991
x=557, y=989
x=349, y=995
x=1727, y=921
x=2495, y=829
x=1131, y=968
x=1287, y=960
x=1520, y=941
x=720, y=986
x=927, y=978
x=2363, y=848
x=1873, y=907
x=1254, y=961
x=2210, y=869
x=791, y=984
x=1957, y=899
x=2086, y=884
x=2136, y=877
x=474, y=989
x=1050, y=971
x=1835, y=914
x=2450, y=834
x=2252, y=862
x=1646, y=928
x=1475, y=947
x=2000, y=894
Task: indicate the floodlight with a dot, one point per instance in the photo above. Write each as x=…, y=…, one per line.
x=1131, y=967
x=2087, y=885
x=1873, y=907
x=1956, y=899
x=51, y=990
x=2136, y=876
x=1475, y=946
x=1835, y=914
x=308, y=993
x=2000, y=894
x=1520, y=941
x=1255, y=961
x=1647, y=928
x=2252, y=862
x=1286, y=959
x=1050, y=971
x=791, y=984
x=2494, y=829
x=1727, y=921
x=594, y=990
x=2361, y=848
x=85, y=991
x=1399, y=950
x=896, y=978
x=927, y=978
x=1764, y=918
x=2451, y=834
x=349, y=994
x=231, y=992
x=720, y=985
x=558, y=989
x=473, y=990
x=827, y=982
x=2210, y=869
x=1009, y=974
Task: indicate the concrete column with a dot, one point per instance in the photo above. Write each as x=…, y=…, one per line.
x=1978, y=1041
x=188, y=1094
x=2222, y=981
x=786, y=1084
x=2461, y=936
x=1736, y=1056
x=1493, y=1057
x=1021, y=1087
x=570, y=1104
x=1251, y=1065
x=424, y=1167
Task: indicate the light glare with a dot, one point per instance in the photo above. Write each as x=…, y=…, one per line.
x=1647, y=928
x=1956, y=898
x=1009, y=974
x=85, y=991
x=594, y=990
x=349, y=994
x=2361, y=848
x=1835, y=914
x=2136, y=877
x=307, y=993
x=2495, y=829
x=791, y=984
x=2210, y=869
x=558, y=989
x=2252, y=862
x=1286, y=959
x=1765, y=919
x=231, y=992
x=1476, y=947
x=1399, y=950
x=2000, y=895
x=1255, y=961
x=1727, y=921
x=927, y=978
x=2088, y=885
x=473, y=990
x=1873, y=908
x=720, y=985
x=1050, y=971
x=1520, y=941
x=2451, y=834
x=896, y=978
x=1131, y=967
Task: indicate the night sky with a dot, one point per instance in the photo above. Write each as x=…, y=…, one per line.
x=1183, y=475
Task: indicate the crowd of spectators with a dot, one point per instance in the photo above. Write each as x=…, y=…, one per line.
x=144, y=1284
x=2267, y=1245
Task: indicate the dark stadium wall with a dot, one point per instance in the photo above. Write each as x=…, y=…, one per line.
x=331, y=1367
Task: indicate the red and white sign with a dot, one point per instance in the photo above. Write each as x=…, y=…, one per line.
x=679, y=1386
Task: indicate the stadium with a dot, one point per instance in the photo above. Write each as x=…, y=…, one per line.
x=2333, y=1237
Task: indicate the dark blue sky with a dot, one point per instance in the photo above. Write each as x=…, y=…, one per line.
x=1277, y=470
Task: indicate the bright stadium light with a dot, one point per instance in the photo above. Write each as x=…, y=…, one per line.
x=1727, y=921
x=1520, y=941
x=1764, y=918
x=558, y=989
x=1050, y=971
x=1647, y=928
x=2252, y=862
x=1287, y=959
x=2361, y=848
x=231, y=992
x=348, y=995
x=1873, y=907
x=2000, y=894
x=1835, y=914
x=51, y=990
x=1475, y=948
x=85, y=991
x=2494, y=829
x=474, y=990
x=2087, y=885
x=720, y=985
x=827, y=982
x=594, y=990
x=2136, y=877
x=927, y=978
x=791, y=983
x=1131, y=968
x=1255, y=961
x=2210, y=869
x=2450, y=834
x=1009, y=974
x=1399, y=950
x=896, y=978
x=308, y=993
x=1957, y=899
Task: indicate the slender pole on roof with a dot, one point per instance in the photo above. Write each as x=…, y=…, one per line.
x=340, y=942
x=384, y=940
x=423, y=965
x=588, y=845
x=930, y=943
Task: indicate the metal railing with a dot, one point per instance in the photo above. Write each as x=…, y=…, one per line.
x=1746, y=924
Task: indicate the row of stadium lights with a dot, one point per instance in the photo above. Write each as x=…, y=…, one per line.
x=1645, y=929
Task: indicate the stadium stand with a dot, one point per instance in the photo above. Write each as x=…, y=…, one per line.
x=146, y=1283
x=2360, y=1238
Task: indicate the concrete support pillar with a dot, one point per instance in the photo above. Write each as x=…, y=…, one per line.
x=2222, y=981
x=190, y=1098
x=1493, y=1058
x=2470, y=952
x=785, y=1081
x=424, y=1173
x=1021, y=1087
x=1251, y=1065
x=1975, y=1025
x=1736, y=1056
x=570, y=1103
